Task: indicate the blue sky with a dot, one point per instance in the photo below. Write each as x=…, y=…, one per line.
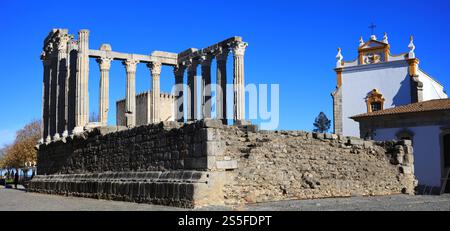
x=291, y=43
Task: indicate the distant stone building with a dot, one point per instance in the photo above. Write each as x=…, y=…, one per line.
x=378, y=80
x=144, y=109
x=427, y=125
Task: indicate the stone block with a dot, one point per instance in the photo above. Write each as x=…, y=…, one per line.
x=227, y=164
x=242, y=122
x=210, y=134
x=408, y=159
x=213, y=148
x=196, y=163
x=355, y=141
x=405, y=142
x=406, y=170
x=318, y=135
x=212, y=123
x=368, y=144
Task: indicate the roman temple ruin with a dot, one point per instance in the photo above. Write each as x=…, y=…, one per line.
x=65, y=100
x=191, y=162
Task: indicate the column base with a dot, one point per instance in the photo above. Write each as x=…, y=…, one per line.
x=65, y=133
x=56, y=136
x=48, y=139
x=78, y=130
x=242, y=122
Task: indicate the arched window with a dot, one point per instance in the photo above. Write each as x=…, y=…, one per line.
x=375, y=101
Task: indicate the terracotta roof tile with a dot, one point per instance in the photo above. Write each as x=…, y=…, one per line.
x=430, y=105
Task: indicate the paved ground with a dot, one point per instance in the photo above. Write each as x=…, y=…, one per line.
x=12, y=199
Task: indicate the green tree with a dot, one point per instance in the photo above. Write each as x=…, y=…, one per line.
x=321, y=123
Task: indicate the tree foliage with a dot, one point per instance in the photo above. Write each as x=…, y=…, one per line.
x=22, y=150
x=321, y=123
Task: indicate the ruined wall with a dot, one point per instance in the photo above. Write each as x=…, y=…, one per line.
x=155, y=147
x=154, y=164
x=299, y=165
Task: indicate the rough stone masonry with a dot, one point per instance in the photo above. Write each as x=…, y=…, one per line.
x=207, y=163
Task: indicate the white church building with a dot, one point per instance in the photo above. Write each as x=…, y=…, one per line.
x=382, y=96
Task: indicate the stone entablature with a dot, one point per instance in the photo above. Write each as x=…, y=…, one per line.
x=66, y=79
x=234, y=164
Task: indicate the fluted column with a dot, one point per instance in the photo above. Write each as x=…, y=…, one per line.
x=192, y=106
x=46, y=98
x=238, y=49
x=221, y=84
x=155, y=70
x=61, y=126
x=130, y=95
x=205, y=62
x=105, y=65
x=82, y=81
x=178, y=71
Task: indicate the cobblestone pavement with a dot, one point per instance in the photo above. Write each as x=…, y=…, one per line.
x=12, y=199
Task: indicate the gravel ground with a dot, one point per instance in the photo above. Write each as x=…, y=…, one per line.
x=12, y=199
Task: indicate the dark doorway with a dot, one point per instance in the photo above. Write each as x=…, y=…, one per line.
x=447, y=162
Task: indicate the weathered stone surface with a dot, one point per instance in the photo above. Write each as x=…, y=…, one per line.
x=174, y=188
x=248, y=166
x=227, y=164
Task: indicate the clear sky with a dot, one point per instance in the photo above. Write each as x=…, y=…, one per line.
x=291, y=43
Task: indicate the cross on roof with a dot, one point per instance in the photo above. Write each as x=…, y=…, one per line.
x=372, y=27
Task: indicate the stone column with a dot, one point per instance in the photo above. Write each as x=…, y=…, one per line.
x=54, y=93
x=221, y=84
x=178, y=71
x=192, y=93
x=82, y=91
x=105, y=65
x=238, y=48
x=205, y=62
x=45, y=98
x=61, y=125
x=155, y=70
x=50, y=91
x=130, y=95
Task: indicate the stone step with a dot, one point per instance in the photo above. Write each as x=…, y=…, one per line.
x=173, y=188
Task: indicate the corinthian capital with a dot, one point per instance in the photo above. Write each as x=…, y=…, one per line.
x=155, y=68
x=130, y=64
x=104, y=62
x=238, y=48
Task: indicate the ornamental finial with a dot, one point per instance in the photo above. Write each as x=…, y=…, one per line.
x=385, y=38
x=339, y=58
x=361, y=41
x=411, y=47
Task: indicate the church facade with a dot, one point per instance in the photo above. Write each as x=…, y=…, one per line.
x=378, y=80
